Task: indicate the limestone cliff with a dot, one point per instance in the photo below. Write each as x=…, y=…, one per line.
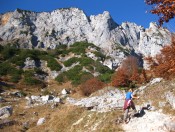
x=46, y=30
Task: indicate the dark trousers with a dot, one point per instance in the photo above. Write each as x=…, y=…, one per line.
x=129, y=104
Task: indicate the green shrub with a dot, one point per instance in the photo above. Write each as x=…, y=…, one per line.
x=74, y=72
x=106, y=77
x=80, y=47
x=81, y=77
x=24, y=32
x=90, y=68
x=100, y=55
x=85, y=76
x=53, y=64
x=15, y=75
x=6, y=68
x=84, y=61
x=15, y=78
x=102, y=69
x=52, y=53
x=29, y=78
x=31, y=81
x=77, y=50
x=22, y=54
x=39, y=71
x=61, y=49
x=8, y=52
x=1, y=48
x=17, y=60
x=33, y=54
x=70, y=61
x=61, y=78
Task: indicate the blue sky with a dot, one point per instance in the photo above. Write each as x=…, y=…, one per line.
x=120, y=10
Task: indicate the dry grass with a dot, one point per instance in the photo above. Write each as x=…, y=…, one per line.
x=21, y=114
x=60, y=120
x=75, y=119
x=64, y=118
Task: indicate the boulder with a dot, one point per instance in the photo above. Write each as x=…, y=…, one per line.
x=6, y=112
x=41, y=121
x=29, y=63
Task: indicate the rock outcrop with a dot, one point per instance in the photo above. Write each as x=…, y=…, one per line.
x=47, y=30
x=109, y=100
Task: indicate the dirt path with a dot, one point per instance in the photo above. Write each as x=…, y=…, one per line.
x=151, y=121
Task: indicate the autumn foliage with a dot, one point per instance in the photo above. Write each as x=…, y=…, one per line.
x=163, y=64
x=128, y=74
x=91, y=86
x=165, y=9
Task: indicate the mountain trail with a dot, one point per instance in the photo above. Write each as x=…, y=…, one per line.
x=150, y=121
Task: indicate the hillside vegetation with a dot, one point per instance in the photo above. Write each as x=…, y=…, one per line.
x=35, y=67
x=82, y=75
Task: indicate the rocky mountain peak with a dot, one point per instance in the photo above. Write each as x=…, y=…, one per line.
x=5, y=18
x=47, y=30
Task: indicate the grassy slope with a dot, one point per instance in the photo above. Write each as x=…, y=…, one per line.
x=71, y=119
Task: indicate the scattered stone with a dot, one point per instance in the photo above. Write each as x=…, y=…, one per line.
x=30, y=101
x=35, y=98
x=57, y=100
x=170, y=126
x=162, y=104
x=25, y=125
x=4, y=123
x=119, y=120
x=41, y=100
x=22, y=114
x=47, y=98
x=35, y=113
x=170, y=97
x=153, y=108
x=6, y=112
x=2, y=100
x=156, y=80
x=64, y=92
x=41, y=121
x=17, y=94
x=54, y=105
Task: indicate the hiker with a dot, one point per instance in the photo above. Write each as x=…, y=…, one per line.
x=129, y=104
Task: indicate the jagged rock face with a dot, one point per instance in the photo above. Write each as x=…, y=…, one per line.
x=65, y=26
x=153, y=39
